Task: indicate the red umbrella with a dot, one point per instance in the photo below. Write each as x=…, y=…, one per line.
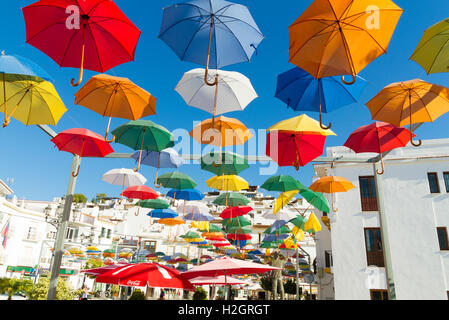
x=152, y=274
x=139, y=192
x=220, y=280
x=378, y=137
x=294, y=149
x=215, y=238
x=233, y=236
x=233, y=212
x=95, y=34
x=83, y=143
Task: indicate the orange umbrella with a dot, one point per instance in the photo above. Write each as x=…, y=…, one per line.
x=115, y=97
x=409, y=102
x=332, y=184
x=171, y=221
x=221, y=132
x=341, y=37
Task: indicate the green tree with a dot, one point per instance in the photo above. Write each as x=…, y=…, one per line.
x=137, y=295
x=79, y=198
x=290, y=286
x=14, y=286
x=92, y=264
x=63, y=290
x=200, y=294
x=100, y=197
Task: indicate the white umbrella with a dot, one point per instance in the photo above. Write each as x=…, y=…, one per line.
x=281, y=215
x=232, y=93
x=194, y=207
x=124, y=177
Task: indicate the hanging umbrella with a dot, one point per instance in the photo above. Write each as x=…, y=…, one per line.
x=83, y=143
x=332, y=185
x=221, y=132
x=143, y=135
x=301, y=124
x=233, y=212
x=315, y=199
x=312, y=224
x=212, y=33
x=153, y=204
x=278, y=227
x=432, y=50
x=100, y=38
x=198, y=216
x=240, y=221
x=232, y=92
x=223, y=163
x=378, y=137
x=231, y=198
x=171, y=221
x=302, y=92
x=124, y=177
x=109, y=253
x=281, y=183
x=227, y=183
x=283, y=200
x=239, y=237
x=326, y=39
x=167, y=158
x=410, y=102
x=280, y=215
x=162, y=213
x=140, y=192
x=176, y=180
x=15, y=64
x=115, y=97
x=293, y=149
x=153, y=275
x=30, y=100
x=186, y=194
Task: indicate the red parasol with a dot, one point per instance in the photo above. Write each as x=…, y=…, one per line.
x=233, y=212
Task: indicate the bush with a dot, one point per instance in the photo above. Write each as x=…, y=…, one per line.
x=12, y=286
x=200, y=294
x=63, y=290
x=137, y=295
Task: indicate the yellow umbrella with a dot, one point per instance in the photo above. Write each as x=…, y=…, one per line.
x=303, y=124
x=202, y=225
x=227, y=183
x=115, y=97
x=31, y=100
x=312, y=223
x=332, y=184
x=283, y=199
x=298, y=233
x=409, y=102
x=290, y=244
x=222, y=132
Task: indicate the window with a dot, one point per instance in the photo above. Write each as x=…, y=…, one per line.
x=31, y=233
x=328, y=259
x=442, y=238
x=51, y=235
x=368, y=193
x=379, y=294
x=433, y=182
x=70, y=234
x=150, y=246
x=374, y=251
x=446, y=180
x=103, y=230
x=109, y=234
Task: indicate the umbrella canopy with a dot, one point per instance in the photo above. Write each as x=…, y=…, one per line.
x=233, y=92
x=227, y=266
x=281, y=183
x=315, y=199
x=143, y=135
x=284, y=199
x=30, y=100
x=101, y=270
x=171, y=221
x=238, y=237
x=212, y=33
x=101, y=38
x=227, y=183
x=302, y=92
x=187, y=194
x=15, y=64
x=167, y=158
x=410, y=102
x=433, y=49
x=146, y=274
x=223, y=163
x=176, y=180
x=325, y=40
x=239, y=230
x=140, y=192
x=221, y=132
x=153, y=204
x=198, y=216
x=332, y=185
x=124, y=177
x=233, y=212
x=115, y=97
x=312, y=224
x=195, y=208
x=232, y=199
x=293, y=149
x=280, y=215
x=301, y=124
x=240, y=221
x=220, y=280
x=378, y=137
x=83, y=143
x=162, y=213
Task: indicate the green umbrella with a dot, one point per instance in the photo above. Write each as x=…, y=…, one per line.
x=299, y=222
x=239, y=230
x=282, y=183
x=316, y=199
x=160, y=254
x=433, y=50
x=212, y=228
x=240, y=221
x=223, y=163
x=143, y=135
x=271, y=244
x=176, y=180
x=282, y=230
x=153, y=204
x=233, y=199
x=190, y=235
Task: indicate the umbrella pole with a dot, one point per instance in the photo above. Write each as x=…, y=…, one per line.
x=107, y=132
x=215, y=100
x=333, y=204
x=140, y=155
x=411, y=129
x=321, y=117
x=8, y=119
x=157, y=170
x=348, y=55
x=208, y=56
x=80, y=79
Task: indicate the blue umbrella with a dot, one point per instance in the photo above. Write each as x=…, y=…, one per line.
x=277, y=225
x=187, y=194
x=162, y=213
x=14, y=64
x=273, y=237
x=197, y=216
x=212, y=33
x=167, y=159
x=302, y=92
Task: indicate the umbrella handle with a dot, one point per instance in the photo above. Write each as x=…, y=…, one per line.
x=350, y=82
x=80, y=78
x=75, y=174
x=6, y=122
x=208, y=56
x=333, y=204
x=416, y=144
x=383, y=168
x=322, y=125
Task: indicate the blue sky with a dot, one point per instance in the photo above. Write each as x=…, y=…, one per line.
x=41, y=172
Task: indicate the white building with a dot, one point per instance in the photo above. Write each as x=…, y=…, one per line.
x=415, y=192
